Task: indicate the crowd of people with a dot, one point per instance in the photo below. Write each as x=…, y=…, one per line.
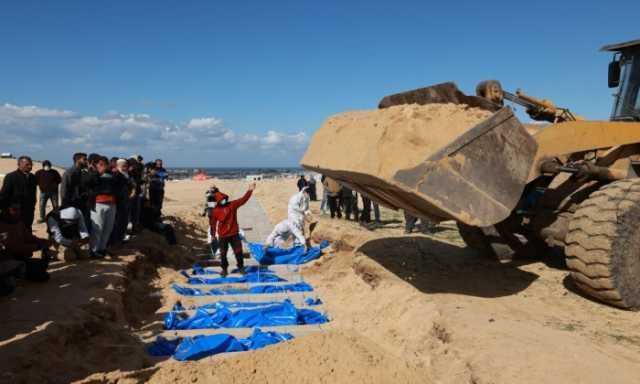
x=97, y=204
x=338, y=199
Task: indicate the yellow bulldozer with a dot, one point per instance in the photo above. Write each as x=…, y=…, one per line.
x=571, y=185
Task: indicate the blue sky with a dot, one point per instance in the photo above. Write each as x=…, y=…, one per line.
x=206, y=83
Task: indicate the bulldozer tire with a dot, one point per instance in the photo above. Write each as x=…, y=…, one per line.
x=603, y=244
x=476, y=239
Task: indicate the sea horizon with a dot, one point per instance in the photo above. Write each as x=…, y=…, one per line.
x=233, y=172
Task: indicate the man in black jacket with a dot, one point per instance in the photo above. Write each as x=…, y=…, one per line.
x=48, y=180
x=19, y=189
x=74, y=189
x=302, y=182
x=71, y=186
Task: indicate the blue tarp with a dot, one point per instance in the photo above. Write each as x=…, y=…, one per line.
x=197, y=269
x=178, y=307
x=163, y=347
x=256, y=277
x=228, y=304
x=194, y=348
x=221, y=316
x=294, y=255
x=298, y=287
x=312, y=301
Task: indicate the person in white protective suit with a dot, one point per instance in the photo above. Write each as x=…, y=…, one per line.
x=293, y=225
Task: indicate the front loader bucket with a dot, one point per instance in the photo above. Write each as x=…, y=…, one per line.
x=476, y=178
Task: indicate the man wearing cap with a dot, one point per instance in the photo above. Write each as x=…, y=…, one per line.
x=224, y=225
x=48, y=180
x=67, y=229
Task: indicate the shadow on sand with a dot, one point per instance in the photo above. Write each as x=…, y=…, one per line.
x=433, y=266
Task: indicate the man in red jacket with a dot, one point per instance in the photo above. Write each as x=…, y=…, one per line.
x=224, y=225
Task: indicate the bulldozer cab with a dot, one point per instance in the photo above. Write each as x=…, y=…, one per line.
x=624, y=73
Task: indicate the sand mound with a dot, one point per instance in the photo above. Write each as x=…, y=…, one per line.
x=381, y=142
x=330, y=357
x=393, y=155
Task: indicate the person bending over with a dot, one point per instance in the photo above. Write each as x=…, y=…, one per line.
x=224, y=225
x=151, y=219
x=68, y=231
x=10, y=269
x=297, y=212
x=281, y=234
x=20, y=244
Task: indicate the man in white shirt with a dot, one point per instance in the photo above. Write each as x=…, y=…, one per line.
x=67, y=229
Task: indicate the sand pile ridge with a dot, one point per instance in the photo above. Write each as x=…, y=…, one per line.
x=381, y=142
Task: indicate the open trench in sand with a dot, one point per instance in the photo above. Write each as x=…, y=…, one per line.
x=403, y=309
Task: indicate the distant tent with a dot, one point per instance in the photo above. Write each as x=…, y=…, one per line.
x=200, y=176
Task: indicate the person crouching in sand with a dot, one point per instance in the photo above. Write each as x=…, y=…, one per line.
x=68, y=232
x=224, y=226
x=297, y=212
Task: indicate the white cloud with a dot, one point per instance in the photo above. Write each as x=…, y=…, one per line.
x=204, y=123
x=274, y=138
x=27, y=127
x=30, y=111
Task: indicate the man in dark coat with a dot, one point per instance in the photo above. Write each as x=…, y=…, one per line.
x=302, y=182
x=48, y=180
x=73, y=191
x=349, y=203
x=19, y=189
x=313, y=195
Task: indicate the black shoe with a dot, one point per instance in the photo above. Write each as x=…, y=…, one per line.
x=95, y=255
x=224, y=272
x=242, y=271
x=48, y=255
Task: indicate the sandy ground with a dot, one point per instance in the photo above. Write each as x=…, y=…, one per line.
x=404, y=309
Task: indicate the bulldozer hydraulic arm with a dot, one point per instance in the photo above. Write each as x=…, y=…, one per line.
x=562, y=139
x=538, y=109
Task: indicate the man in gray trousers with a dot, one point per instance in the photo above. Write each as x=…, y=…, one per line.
x=103, y=213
